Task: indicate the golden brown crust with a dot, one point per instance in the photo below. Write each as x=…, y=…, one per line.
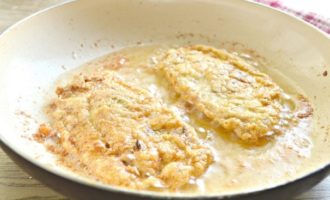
x=123, y=136
x=226, y=89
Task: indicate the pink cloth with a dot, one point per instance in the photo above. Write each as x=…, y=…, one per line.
x=311, y=17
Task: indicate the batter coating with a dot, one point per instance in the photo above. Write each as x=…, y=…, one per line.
x=226, y=89
x=125, y=120
x=124, y=136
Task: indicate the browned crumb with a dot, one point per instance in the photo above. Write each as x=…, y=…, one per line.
x=24, y=114
x=325, y=73
x=43, y=132
x=116, y=62
x=305, y=109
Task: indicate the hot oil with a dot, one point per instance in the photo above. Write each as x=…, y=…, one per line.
x=237, y=166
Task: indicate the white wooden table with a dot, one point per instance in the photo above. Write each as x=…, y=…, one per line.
x=15, y=184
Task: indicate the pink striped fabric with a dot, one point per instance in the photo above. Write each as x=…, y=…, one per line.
x=311, y=17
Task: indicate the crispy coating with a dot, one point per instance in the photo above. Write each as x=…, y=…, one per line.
x=226, y=89
x=122, y=135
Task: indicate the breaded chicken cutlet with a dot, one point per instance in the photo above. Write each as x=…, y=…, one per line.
x=124, y=136
x=228, y=90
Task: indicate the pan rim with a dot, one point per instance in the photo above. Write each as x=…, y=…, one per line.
x=158, y=195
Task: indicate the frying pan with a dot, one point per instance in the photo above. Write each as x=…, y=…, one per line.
x=37, y=50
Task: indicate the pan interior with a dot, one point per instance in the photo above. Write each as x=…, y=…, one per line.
x=37, y=51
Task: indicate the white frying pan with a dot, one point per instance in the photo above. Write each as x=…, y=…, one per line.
x=34, y=52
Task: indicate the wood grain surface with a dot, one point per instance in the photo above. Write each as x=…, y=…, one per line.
x=15, y=184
